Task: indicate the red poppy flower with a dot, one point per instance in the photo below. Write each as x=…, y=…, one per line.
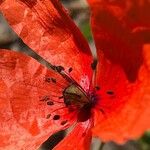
x=110, y=99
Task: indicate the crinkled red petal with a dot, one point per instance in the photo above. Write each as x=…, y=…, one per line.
x=46, y=28
x=30, y=107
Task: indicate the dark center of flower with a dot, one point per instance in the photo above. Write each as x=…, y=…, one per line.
x=76, y=98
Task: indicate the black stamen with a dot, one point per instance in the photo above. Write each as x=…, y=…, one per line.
x=70, y=69
x=50, y=103
x=48, y=116
x=53, y=80
x=59, y=68
x=64, y=122
x=94, y=64
x=56, y=117
x=110, y=92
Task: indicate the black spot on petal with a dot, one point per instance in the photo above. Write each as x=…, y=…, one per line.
x=56, y=117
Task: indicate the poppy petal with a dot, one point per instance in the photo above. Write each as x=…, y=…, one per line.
x=46, y=28
x=122, y=112
x=80, y=138
x=124, y=115
x=31, y=103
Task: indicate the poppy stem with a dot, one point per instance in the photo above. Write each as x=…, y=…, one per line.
x=101, y=146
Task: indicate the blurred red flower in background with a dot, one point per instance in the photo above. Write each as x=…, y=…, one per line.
x=109, y=100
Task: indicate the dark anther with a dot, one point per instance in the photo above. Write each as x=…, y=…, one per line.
x=97, y=88
x=50, y=103
x=110, y=92
x=70, y=69
x=60, y=97
x=64, y=122
x=48, y=116
x=94, y=64
x=53, y=80
x=59, y=68
x=56, y=117
x=47, y=79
